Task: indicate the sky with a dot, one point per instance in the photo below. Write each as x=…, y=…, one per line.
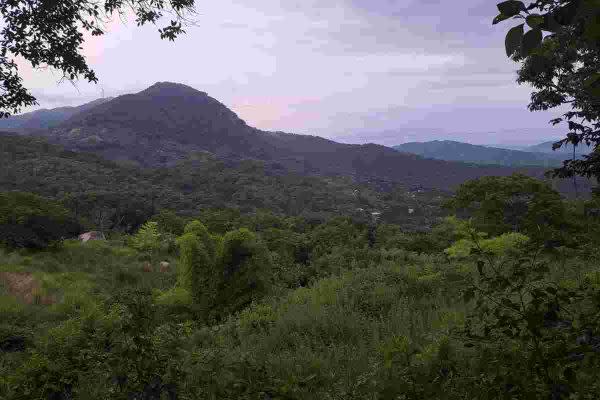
x=356, y=71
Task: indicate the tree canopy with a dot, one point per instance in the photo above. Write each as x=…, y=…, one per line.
x=50, y=33
x=560, y=59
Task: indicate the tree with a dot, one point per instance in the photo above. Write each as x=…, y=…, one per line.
x=515, y=203
x=244, y=266
x=147, y=239
x=197, y=271
x=31, y=221
x=50, y=33
x=169, y=222
x=560, y=59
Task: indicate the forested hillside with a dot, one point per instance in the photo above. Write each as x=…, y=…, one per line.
x=154, y=246
x=121, y=196
x=219, y=305
x=162, y=124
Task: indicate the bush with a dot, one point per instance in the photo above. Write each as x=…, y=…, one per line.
x=147, y=239
x=196, y=271
x=169, y=222
x=245, y=269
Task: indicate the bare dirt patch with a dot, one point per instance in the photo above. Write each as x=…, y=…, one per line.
x=25, y=287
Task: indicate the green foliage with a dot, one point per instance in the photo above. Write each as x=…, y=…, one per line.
x=209, y=241
x=169, y=223
x=111, y=196
x=123, y=354
x=497, y=246
x=31, y=221
x=177, y=296
x=147, y=238
x=246, y=316
x=52, y=35
x=559, y=59
x=515, y=203
x=245, y=267
x=196, y=271
x=539, y=335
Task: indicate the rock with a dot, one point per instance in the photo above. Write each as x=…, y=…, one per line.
x=165, y=266
x=93, y=235
x=25, y=288
x=147, y=267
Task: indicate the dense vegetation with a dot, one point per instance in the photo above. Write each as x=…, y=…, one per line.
x=120, y=196
x=260, y=305
x=161, y=125
x=199, y=293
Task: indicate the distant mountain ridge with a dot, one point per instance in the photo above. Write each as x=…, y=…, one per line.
x=162, y=124
x=546, y=147
x=458, y=151
x=45, y=118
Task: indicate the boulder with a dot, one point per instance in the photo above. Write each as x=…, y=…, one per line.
x=165, y=266
x=147, y=267
x=25, y=288
x=93, y=235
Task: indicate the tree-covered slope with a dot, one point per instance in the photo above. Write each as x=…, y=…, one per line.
x=161, y=125
x=121, y=194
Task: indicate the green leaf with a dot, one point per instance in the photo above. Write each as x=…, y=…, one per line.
x=531, y=40
x=511, y=7
x=513, y=39
x=534, y=20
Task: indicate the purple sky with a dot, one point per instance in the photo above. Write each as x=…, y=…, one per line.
x=357, y=71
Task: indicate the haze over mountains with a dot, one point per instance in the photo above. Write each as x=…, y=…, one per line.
x=161, y=125
x=458, y=151
x=45, y=118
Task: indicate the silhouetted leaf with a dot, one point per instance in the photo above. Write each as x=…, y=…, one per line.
x=566, y=14
x=511, y=7
x=550, y=24
x=534, y=20
x=531, y=40
x=500, y=18
x=513, y=39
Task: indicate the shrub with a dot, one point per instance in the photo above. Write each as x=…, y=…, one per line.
x=147, y=239
x=169, y=222
x=245, y=268
x=196, y=271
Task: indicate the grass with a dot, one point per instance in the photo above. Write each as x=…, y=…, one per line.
x=373, y=324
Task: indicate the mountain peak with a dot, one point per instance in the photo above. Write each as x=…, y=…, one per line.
x=172, y=88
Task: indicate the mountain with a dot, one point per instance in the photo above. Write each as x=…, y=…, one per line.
x=161, y=125
x=458, y=151
x=45, y=118
x=546, y=147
